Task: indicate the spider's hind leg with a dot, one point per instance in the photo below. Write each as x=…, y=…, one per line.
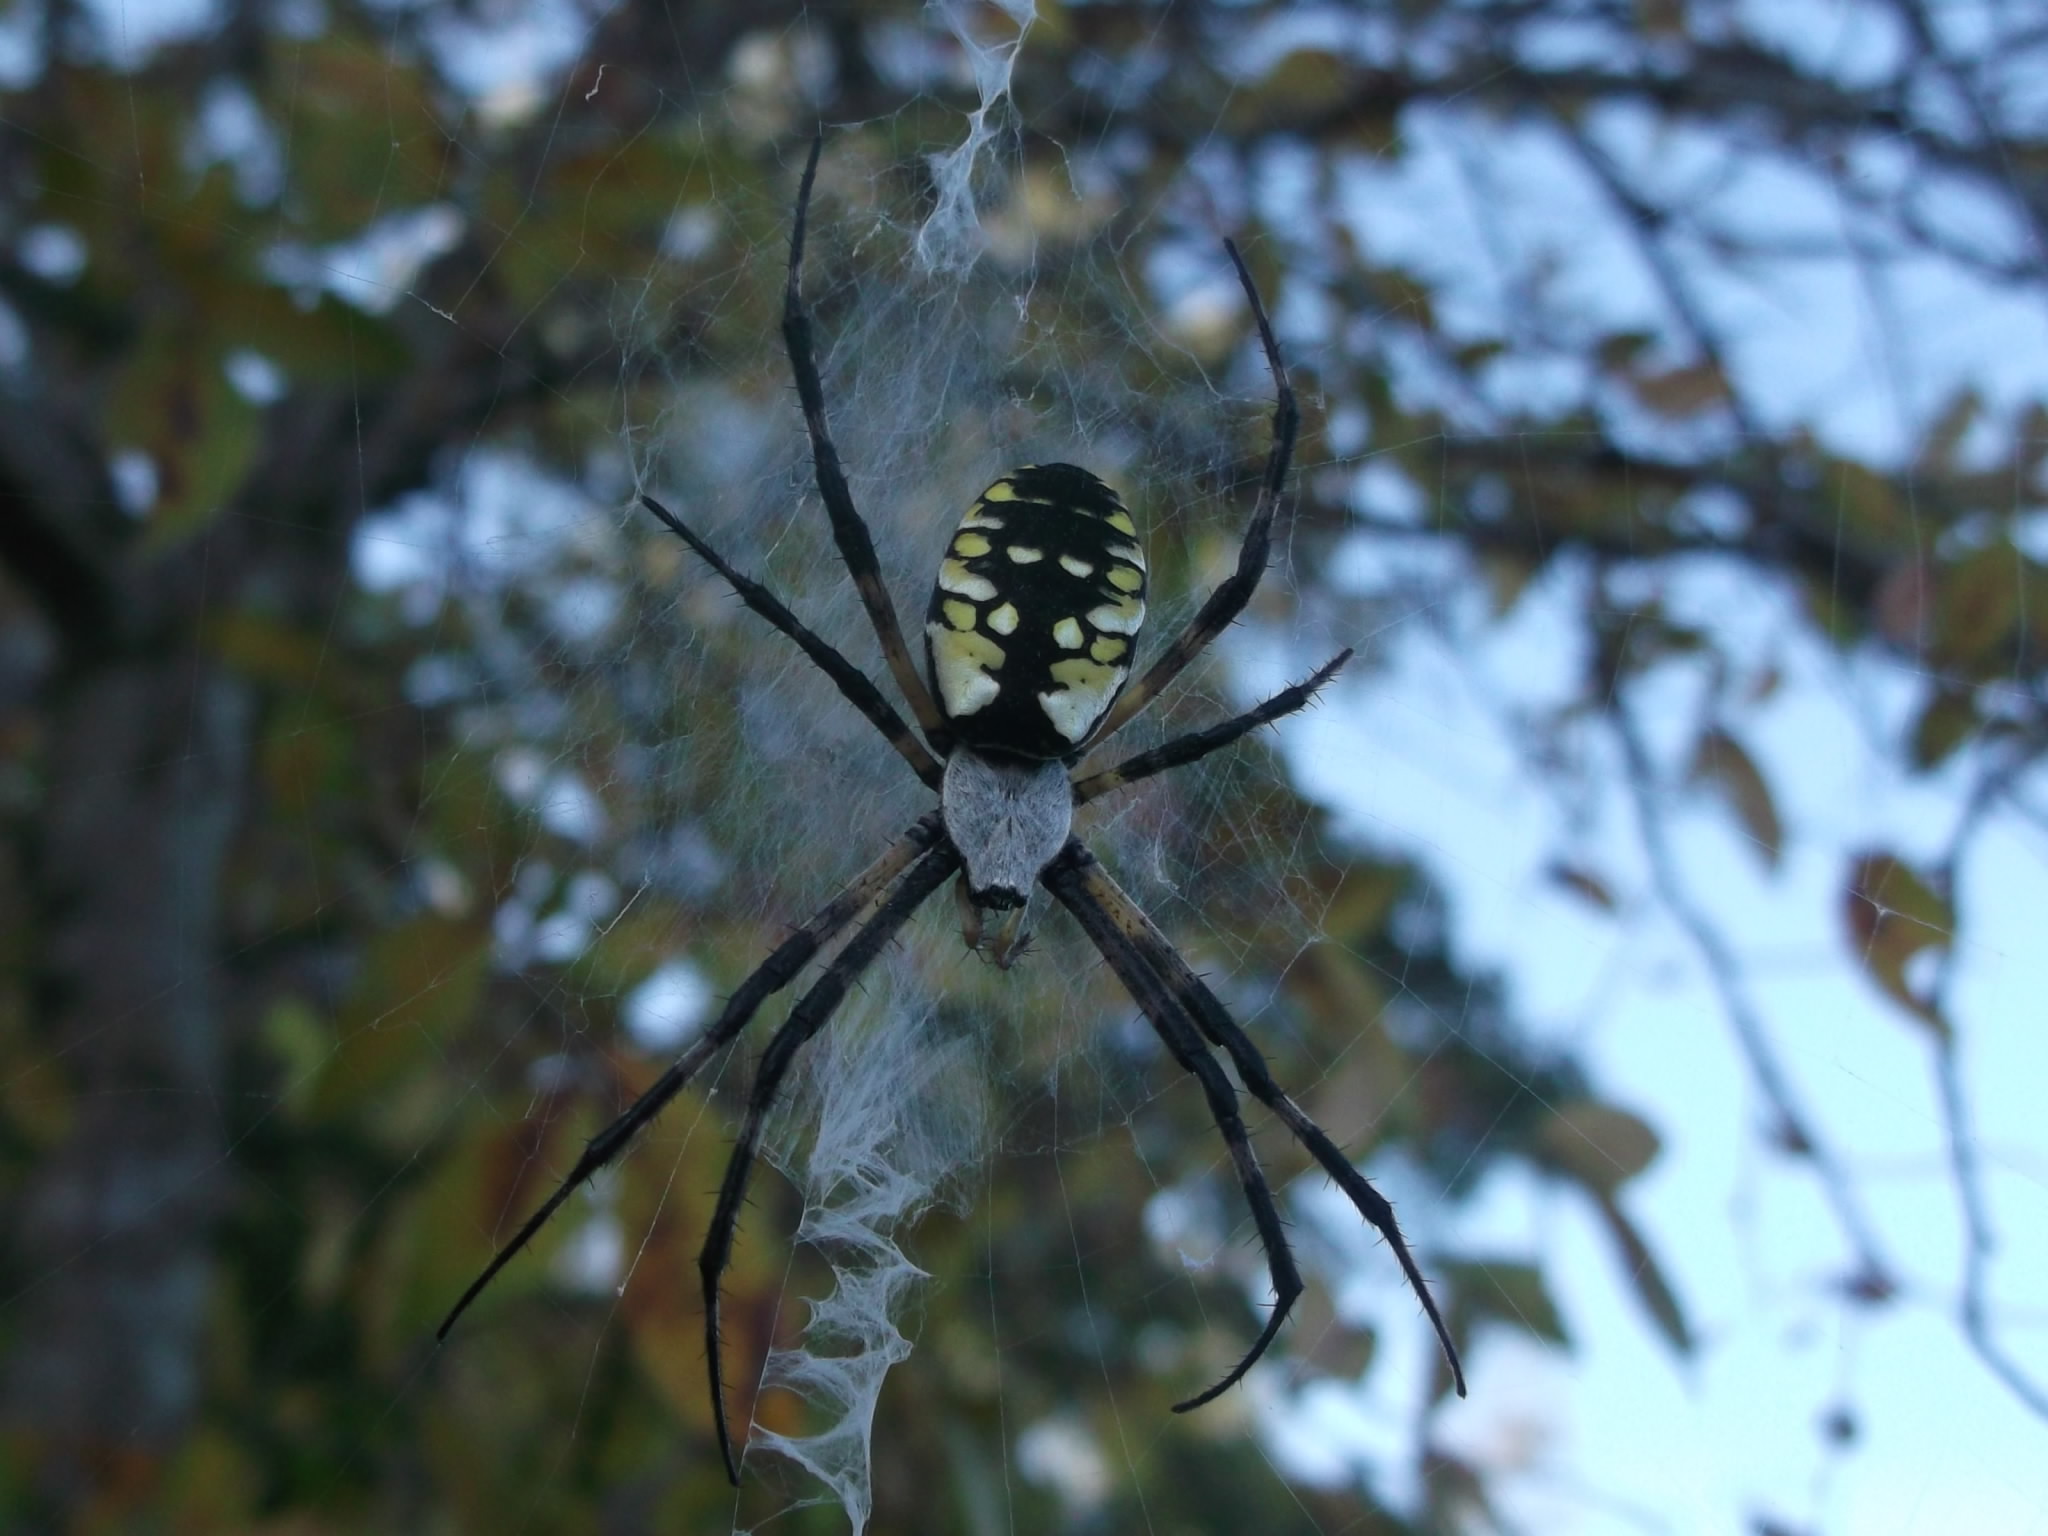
x=1087, y=890
x=1071, y=880
x=811, y=1013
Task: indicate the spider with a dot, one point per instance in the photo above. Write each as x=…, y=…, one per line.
x=1029, y=640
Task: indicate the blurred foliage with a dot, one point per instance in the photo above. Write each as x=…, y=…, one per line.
x=371, y=1092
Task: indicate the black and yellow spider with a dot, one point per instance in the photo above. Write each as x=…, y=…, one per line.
x=1029, y=641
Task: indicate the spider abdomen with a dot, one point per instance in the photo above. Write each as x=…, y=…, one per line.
x=1034, y=619
x=1007, y=817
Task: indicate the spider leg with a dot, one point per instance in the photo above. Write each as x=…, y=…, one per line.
x=1067, y=878
x=1229, y=598
x=809, y=1016
x=853, y=683
x=1197, y=745
x=776, y=972
x=856, y=548
x=1092, y=884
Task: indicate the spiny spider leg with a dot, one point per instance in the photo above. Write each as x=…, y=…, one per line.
x=858, y=689
x=1229, y=598
x=776, y=972
x=809, y=1016
x=1197, y=745
x=1092, y=883
x=1066, y=878
x=856, y=548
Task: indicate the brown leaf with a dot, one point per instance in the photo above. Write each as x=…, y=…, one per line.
x=1582, y=882
x=1657, y=1297
x=1892, y=915
x=1899, y=610
x=1949, y=720
x=1597, y=1145
x=1683, y=391
x=1507, y=1293
x=1938, y=452
x=1977, y=603
x=1721, y=760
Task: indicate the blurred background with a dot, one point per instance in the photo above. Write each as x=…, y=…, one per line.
x=1653, y=908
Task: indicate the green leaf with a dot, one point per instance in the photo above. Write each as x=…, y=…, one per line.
x=173, y=402
x=418, y=983
x=1977, y=603
x=1949, y=720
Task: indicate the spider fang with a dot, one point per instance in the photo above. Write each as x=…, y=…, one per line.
x=1011, y=940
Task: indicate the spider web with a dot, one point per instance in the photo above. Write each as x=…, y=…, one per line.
x=1624, y=902
x=939, y=376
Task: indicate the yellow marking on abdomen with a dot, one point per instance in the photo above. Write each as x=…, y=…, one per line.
x=961, y=664
x=956, y=578
x=1123, y=617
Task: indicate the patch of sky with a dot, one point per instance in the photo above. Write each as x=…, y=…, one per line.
x=504, y=56
x=254, y=377
x=128, y=34
x=135, y=484
x=377, y=268
x=912, y=56
x=1853, y=43
x=230, y=129
x=668, y=1008
x=595, y=1255
x=54, y=252
x=439, y=678
x=1066, y=1456
x=2029, y=533
x=691, y=232
x=21, y=46
x=569, y=809
x=505, y=523
x=1364, y=37
x=1564, y=41
x=566, y=931
x=1383, y=492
